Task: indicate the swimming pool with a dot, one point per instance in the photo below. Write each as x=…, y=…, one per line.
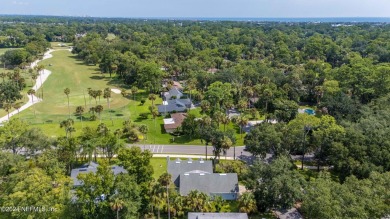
x=310, y=111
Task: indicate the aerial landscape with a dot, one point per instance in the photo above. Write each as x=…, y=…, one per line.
x=198, y=109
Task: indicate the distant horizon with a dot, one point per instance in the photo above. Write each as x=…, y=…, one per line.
x=188, y=17
x=324, y=19
x=200, y=8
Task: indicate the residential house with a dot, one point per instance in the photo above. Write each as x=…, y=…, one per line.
x=174, y=101
x=202, y=215
x=190, y=175
x=173, y=93
x=213, y=184
x=175, y=84
x=171, y=124
x=91, y=168
x=177, y=167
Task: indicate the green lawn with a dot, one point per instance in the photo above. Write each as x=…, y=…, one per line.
x=69, y=72
x=159, y=166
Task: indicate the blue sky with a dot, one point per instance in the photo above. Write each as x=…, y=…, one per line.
x=199, y=8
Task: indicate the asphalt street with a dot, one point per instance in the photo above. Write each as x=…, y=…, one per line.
x=191, y=150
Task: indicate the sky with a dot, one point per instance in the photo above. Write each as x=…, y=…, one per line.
x=200, y=8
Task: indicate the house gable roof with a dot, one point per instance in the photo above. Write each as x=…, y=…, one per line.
x=201, y=215
x=91, y=168
x=212, y=183
x=177, y=167
x=173, y=92
x=177, y=118
x=178, y=105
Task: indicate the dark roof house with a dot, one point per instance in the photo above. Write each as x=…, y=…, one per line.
x=91, y=168
x=201, y=215
x=190, y=175
x=173, y=92
x=172, y=101
x=214, y=184
x=177, y=167
x=178, y=105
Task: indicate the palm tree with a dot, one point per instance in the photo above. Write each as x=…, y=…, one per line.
x=242, y=105
x=31, y=92
x=249, y=92
x=267, y=94
x=191, y=85
x=226, y=143
x=157, y=199
x=144, y=130
x=107, y=95
x=152, y=97
x=218, y=116
x=247, y=203
x=94, y=95
x=34, y=76
x=90, y=95
x=178, y=206
x=117, y=205
x=67, y=92
x=99, y=93
x=241, y=121
x=218, y=203
x=165, y=180
x=17, y=106
x=79, y=112
x=123, y=92
x=39, y=68
x=7, y=107
x=134, y=91
x=153, y=110
x=225, y=120
x=197, y=201
x=68, y=126
x=205, y=106
x=319, y=92
x=99, y=110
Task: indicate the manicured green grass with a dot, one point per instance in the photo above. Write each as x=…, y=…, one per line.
x=159, y=166
x=3, y=50
x=68, y=72
x=57, y=45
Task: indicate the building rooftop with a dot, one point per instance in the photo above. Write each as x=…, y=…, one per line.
x=177, y=167
x=173, y=92
x=224, y=184
x=178, y=105
x=201, y=215
x=175, y=121
x=91, y=168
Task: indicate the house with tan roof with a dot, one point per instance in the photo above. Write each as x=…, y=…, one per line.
x=171, y=124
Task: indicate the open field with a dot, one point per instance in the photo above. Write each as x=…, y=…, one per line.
x=68, y=72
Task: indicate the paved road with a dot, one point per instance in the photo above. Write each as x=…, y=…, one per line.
x=191, y=150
